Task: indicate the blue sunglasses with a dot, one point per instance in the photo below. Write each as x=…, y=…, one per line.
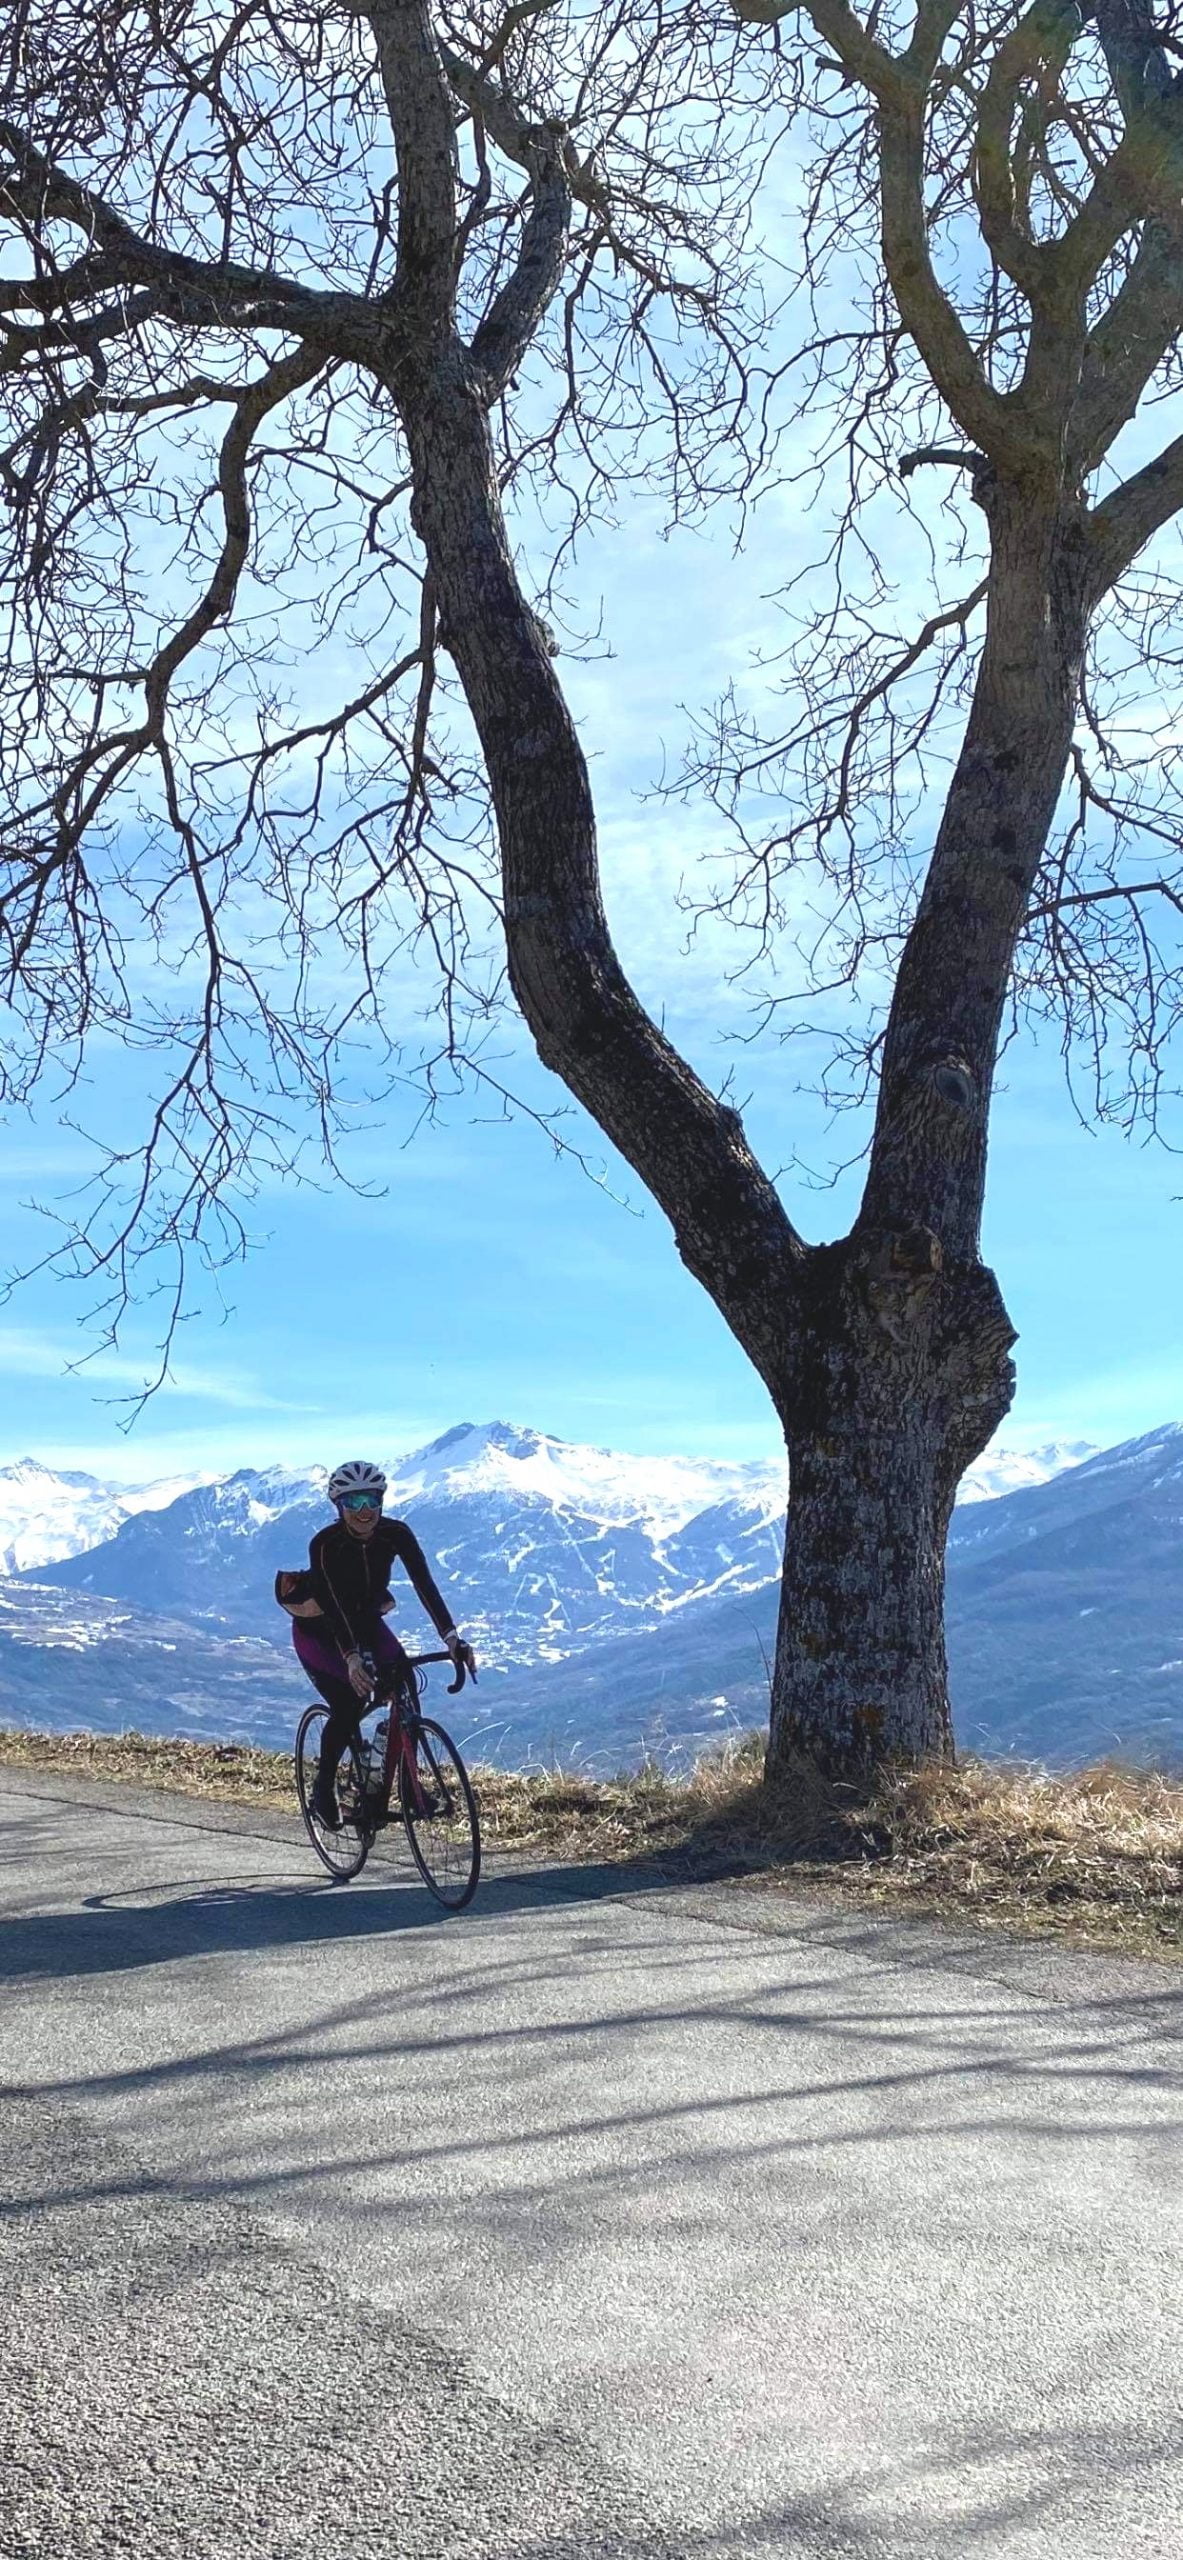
x=361, y=1502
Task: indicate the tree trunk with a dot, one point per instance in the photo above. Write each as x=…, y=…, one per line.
x=903, y=1368
x=928, y=1154
x=887, y=1355
x=906, y=1378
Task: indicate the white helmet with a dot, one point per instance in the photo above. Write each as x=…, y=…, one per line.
x=357, y=1476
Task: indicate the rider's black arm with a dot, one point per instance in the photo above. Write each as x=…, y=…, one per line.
x=410, y=1555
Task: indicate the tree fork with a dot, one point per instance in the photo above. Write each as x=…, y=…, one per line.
x=888, y=1355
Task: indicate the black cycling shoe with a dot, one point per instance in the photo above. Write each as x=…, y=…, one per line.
x=324, y=1807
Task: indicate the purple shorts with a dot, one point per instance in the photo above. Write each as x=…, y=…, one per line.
x=323, y=1660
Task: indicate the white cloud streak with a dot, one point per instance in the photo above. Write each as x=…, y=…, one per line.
x=26, y=1353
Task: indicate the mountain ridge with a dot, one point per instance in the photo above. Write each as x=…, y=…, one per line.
x=552, y=1545
x=50, y=1514
x=47, y=1513
x=619, y=1605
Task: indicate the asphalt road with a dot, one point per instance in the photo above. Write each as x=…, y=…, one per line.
x=596, y=2225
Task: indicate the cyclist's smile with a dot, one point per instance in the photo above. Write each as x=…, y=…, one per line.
x=362, y=1523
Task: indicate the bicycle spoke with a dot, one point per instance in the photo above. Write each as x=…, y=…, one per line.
x=440, y=1815
x=343, y=1852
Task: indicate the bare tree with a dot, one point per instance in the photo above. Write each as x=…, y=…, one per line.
x=1007, y=183
x=557, y=268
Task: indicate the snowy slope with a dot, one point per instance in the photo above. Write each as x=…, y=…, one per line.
x=666, y=1493
x=1002, y=1471
x=1105, y=1483
x=544, y=1546
x=619, y=1603
x=48, y=1513
x=505, y=1460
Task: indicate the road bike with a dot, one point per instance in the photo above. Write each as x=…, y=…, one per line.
x=408, y=1770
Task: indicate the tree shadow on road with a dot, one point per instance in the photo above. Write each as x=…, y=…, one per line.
x=988, y=2487
x=556, y=2117
x=588, y=1997
x=251, y=1912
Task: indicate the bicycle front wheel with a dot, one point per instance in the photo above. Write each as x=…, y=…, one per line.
x=440, y=1814
x=344, y=1851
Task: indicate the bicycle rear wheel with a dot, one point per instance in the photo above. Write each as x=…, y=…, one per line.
x=440, y=1814
x=343, y=1852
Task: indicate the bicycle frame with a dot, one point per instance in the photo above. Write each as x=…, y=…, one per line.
x=403, y=1700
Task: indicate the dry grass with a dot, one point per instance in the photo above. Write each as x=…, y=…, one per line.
x=1095, y=1859
x=227, y=1772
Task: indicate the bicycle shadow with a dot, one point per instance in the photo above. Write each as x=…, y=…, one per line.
x=193, y=1916
x=184, y=1917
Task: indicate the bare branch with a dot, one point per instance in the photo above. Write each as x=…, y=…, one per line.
x=1137, y=330
x=181, y=289
x=958, y=457
x=511, y=324
x=1101, y=897
x=1123, y=523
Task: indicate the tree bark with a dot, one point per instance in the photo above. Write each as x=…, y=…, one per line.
x=907, y=1375
x=903, y=1364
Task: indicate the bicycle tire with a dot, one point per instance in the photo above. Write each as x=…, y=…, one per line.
x=343, y=1852
x=445, y=1834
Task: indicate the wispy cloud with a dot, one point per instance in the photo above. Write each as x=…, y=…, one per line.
x=26, y=1353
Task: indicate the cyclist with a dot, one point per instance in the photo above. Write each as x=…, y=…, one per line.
x=338, y=1609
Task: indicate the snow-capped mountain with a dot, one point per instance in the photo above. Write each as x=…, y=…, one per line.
x=667, y=1493
x=607, y=1485
x=621, y=1603
x=1101, y=1486
x=47, y=1513
x=544, y=1546
x=1002, y=1471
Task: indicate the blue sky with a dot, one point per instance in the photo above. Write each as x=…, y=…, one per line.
x=494, y=1279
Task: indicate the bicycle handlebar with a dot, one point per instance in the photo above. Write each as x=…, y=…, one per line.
x=416, y=1661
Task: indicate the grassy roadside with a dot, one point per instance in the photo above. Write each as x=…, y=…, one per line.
x=1094, y=1859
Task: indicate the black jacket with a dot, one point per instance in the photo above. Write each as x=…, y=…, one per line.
x=348, y=1578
